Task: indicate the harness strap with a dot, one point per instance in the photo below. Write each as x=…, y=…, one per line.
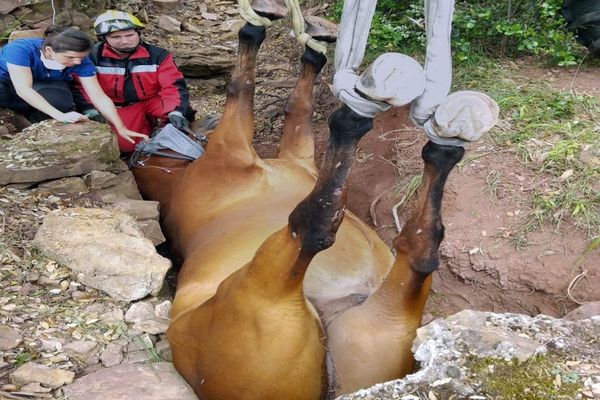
x=349, y=53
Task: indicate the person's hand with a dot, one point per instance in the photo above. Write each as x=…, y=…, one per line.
x=71, y=117
x=128, y=135
x=178, y=120
x=94, y=115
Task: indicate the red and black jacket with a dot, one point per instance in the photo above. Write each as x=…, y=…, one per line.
x=147, y=72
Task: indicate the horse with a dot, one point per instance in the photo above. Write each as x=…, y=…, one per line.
x=283, y=293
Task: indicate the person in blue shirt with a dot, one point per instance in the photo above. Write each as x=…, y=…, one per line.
x=35, y=75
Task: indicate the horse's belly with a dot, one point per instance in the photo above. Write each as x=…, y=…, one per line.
x=353, y=267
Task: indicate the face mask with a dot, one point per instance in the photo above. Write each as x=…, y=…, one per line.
x=51, y=64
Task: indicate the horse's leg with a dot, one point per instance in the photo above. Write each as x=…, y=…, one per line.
x=297, y=142
x=380, y=331
x=258, y=336
x=232, y=138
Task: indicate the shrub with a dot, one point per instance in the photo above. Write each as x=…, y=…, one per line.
x=480, y=28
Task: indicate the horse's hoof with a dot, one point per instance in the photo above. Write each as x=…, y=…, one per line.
x=321, y=29
x=271, y=9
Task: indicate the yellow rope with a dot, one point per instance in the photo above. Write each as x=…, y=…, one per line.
x=298, y=25
x=248, y=14
x=251, y=16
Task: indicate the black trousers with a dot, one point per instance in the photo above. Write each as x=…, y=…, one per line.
x=57, y=93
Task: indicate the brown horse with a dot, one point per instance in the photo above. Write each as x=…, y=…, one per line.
x=250, y=320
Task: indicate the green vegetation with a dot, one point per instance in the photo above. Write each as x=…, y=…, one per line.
x=481, y=28
x=553, y=132
x=22, y=358
x=539, y=378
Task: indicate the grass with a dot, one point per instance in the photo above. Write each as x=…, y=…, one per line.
x=539, y=378
x=553, y=132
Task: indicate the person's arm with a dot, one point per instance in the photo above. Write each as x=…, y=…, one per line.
x=107, y=108
x=173, y=92
x=22, y=80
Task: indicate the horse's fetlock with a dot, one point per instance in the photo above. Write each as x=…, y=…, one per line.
x=252, y=35
x=314, y=58
x=346, y=126
x=442, y=157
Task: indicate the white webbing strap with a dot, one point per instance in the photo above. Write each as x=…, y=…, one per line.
x=299, y=28
x=438, y=62
x=349, y=53
x=249, y=15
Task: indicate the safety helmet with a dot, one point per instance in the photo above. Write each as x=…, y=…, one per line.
x=114, y=21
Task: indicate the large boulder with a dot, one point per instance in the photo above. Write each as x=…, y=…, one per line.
x=478, y=355
x=106, y=249
x=157, y=381
x=51, y=150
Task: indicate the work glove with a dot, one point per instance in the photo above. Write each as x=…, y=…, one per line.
x=94, y=115
x=178, y=120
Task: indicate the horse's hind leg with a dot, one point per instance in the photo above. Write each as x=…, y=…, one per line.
x=297, y=142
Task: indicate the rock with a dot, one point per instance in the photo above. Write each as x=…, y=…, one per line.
x=163, y=349
x=33, y=372
x=124, y=188
x=51, y=150
x=204, y=62
x=72, y=184
x=11, y=338
x=5, y=133
x=9, y=387
x=80, y=347
x=142, y=315
x=35, y=388
x=584, y=311
x=447, y=349
x=112, y=355
x=7, y=6
x=166, y=4
x=232, y=25
x=112, y=317
x=141, y=342
x=157, y=381
x=169, y=24
x=153, y=326
x=100, y=179
x=139, y=209
x=152, y=231
x=210, y=16
x=139, y=311
x=106, y=249
x=163, y=310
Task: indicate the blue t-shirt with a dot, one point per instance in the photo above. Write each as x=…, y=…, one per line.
x=26, y=53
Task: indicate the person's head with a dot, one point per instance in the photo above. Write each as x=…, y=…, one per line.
x=120, y=30
x=67, y=46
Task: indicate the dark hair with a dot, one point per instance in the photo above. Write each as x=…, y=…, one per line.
x=66, y=39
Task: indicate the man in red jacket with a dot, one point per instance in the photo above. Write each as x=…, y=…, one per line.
x=141, y=79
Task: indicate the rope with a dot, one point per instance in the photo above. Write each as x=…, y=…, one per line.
x=298, y=26
x=248, y=14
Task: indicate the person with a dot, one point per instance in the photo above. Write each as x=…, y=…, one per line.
x=142, y=79
x=34, y=76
